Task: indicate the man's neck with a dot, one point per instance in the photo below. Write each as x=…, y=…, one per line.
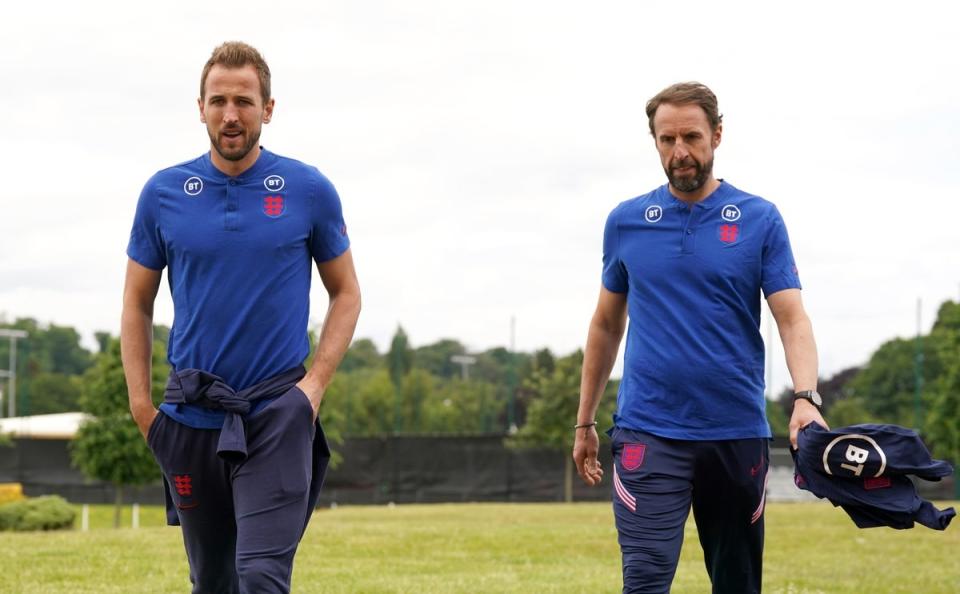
x=697, y=195
x=234, y=168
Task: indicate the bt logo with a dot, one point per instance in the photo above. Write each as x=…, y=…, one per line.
x=273, y=183
x=730, y=213
x=193, y=186
x=653, y=214
x=862, y=453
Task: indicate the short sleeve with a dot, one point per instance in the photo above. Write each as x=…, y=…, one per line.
x=328, y=231
x=779, y=267
x=614, y=273
x=146, y=246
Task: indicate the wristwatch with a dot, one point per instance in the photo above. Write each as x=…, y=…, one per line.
x=811, y=396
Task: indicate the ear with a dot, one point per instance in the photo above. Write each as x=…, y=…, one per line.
x=717, y=134
x=203, y=117
x=268, y=111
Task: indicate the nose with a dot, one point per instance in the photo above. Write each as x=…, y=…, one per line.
x=680, y=151
x=231, y=114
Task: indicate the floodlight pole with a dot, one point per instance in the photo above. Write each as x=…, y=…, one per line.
x=11, y=373
x=465, y=362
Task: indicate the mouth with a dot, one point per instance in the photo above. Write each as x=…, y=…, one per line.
x=231, y=134
x=686, y=170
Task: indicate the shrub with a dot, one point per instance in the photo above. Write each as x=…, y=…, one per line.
x=39, y=513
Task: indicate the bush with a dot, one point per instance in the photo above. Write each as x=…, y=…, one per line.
x=40, y=513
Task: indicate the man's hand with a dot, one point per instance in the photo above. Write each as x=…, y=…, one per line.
x=804, y=413
x=585, y=448
x=143, y=416
x=314, y=390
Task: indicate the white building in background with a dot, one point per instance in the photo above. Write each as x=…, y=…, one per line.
x=56, y=426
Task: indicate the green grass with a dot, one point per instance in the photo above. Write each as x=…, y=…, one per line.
x=479, y=548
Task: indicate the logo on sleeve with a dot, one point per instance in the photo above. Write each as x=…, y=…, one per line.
x=193, y=186
x=273, y=183
x=631, y=458
x=730, y=213
x=274, y=205
x=653, y=213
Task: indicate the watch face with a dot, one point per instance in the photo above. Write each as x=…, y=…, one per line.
x=811, y=396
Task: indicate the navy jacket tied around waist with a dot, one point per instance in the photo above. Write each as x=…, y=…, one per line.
x=194, y=386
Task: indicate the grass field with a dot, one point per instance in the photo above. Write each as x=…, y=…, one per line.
x=480, y=548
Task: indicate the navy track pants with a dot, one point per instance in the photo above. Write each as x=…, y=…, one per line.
x=242, y=522
x=655, y=483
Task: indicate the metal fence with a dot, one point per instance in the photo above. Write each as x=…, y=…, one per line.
x=395, y=469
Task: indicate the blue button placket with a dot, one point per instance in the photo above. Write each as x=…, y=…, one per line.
x=232, y=216
x=689, y=237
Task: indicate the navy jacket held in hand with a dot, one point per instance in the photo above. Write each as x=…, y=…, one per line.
x=863, y=469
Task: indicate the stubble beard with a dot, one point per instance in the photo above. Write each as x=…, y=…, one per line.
x=236, y=154
x=691, y=183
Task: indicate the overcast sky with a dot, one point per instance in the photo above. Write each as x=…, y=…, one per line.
x=479, y=146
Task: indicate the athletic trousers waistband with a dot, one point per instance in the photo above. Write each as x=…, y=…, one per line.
x=195, y=386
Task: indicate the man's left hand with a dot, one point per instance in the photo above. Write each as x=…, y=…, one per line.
x=314, y=392
x=804, y=413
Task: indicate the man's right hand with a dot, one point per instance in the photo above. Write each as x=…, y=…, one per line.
x=143, y=416
x=585, y=447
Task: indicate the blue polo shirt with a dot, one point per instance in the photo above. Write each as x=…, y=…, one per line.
x=693, y=276
x=239, y=253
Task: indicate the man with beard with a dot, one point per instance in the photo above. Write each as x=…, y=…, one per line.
x=687, y=263
x=237, y=437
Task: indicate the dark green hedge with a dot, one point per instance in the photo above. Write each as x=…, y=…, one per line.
x=39, y=513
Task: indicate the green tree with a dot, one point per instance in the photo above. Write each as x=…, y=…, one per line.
x=462, y=407
x=108, y=446
x=61, y=392
x=161, y=334
x=553, y=411
x=365, y=397
x=416, y=394
x=886, y=385
x=399, y=358
x=944, y=414
x=778, y=420
x=850, y=411
x=399, y=362
x=103, y=341
x=834, y=390
x=362, y=354
x=436, y=358
x=49, y=349
x=503, y=369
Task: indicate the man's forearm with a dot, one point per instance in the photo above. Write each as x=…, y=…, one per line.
x=800, y=350
x=603, y=343
x=136, y=348
x=335, y=336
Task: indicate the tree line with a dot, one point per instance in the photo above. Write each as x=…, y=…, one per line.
x=442, y=388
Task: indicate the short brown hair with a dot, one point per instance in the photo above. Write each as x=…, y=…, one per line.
x=686, y=93
x=237, y=54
